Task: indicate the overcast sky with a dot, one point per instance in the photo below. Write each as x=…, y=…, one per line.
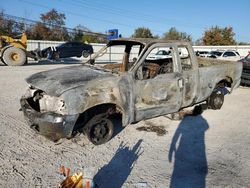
x=192, y=17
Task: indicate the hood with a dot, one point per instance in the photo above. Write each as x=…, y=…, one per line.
x=55, y=82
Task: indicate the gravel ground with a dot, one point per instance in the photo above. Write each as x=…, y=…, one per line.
x=209, y=150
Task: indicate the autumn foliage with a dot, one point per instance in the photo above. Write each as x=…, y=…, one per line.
x=50, y=27
x=219, y=36
x=174, y=34
x=142, y=32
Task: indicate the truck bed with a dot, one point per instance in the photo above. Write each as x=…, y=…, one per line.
x=211, y=71
x=206, y=62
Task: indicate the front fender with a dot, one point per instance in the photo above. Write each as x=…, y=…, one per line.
x=80, y=99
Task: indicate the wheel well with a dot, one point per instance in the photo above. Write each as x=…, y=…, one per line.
x=227, y=82
x=109, y=108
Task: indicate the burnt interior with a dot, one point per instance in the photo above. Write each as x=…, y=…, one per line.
x=151, y=68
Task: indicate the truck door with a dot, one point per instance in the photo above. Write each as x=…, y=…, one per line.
x=189, y=68
x=157, y=83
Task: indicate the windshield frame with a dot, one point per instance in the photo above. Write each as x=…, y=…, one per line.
x=104, y=50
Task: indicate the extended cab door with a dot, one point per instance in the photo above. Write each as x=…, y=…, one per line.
x=158, y=88
x=189, y=71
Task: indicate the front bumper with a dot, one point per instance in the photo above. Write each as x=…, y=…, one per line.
x=51, y=125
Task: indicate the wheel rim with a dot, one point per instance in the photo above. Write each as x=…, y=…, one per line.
x=218, y=102
x=85, y=54
x=101, y=131
x=15, y=56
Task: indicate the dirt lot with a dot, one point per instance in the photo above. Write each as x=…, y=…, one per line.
x=211, y=149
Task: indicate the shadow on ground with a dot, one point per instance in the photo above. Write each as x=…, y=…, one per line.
x=115, y=173
x=188, y=150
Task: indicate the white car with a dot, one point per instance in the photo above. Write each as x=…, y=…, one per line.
x=230, y=55
x=202, y=53
x=161, y=54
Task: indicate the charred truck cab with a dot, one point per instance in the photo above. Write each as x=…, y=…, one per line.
x=135, y=86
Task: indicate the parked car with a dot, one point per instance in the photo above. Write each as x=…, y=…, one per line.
x=202, y=53
x=230, y=55
x=164, y=54
x=161, y=54
x=63, y=102
x=68, y=49
x=245, y=77
x=214, y=54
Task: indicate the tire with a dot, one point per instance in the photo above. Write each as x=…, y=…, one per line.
x=14, y=56
x=56, y=56
x=85, y=53
x=99, y=129
x=216, y=101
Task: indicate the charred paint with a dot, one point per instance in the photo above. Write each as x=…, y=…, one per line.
x=67, y=93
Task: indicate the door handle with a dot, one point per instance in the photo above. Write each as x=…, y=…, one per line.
x=180, y=83
x=186, y=80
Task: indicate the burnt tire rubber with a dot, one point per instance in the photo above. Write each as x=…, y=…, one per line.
x=14, y=56
x=99, y=129
x=216, y=101
x=85, y=53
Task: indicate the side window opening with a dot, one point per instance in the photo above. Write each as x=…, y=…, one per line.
x=159, y=61
x=185, y=58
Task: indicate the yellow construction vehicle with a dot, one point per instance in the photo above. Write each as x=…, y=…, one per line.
x=13, y=52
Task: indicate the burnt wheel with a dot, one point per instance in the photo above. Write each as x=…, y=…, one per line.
x=99, y=129
x=216, y=101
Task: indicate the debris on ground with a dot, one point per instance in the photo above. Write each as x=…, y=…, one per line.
x=159, y=130
x=77, y=180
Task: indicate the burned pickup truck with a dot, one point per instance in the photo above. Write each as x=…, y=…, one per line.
x=82, y=99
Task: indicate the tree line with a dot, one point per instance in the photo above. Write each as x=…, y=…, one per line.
x=52, y=27
x=212, y=36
